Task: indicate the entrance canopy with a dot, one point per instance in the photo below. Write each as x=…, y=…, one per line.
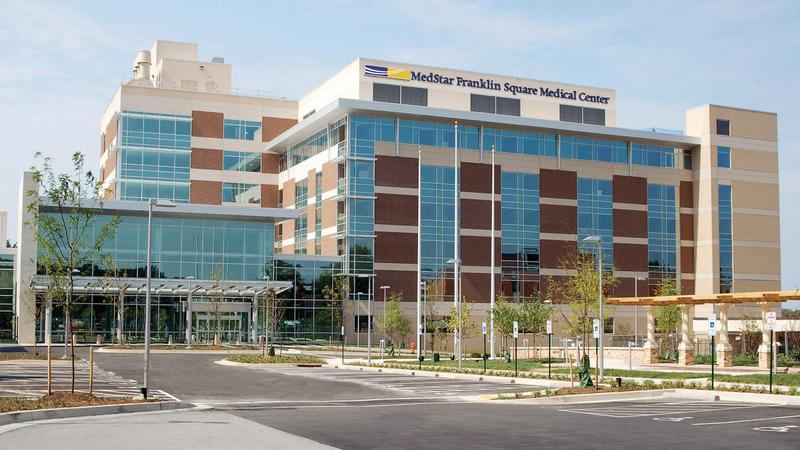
x=165, y=286
x=739, y=297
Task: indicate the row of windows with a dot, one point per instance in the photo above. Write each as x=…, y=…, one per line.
x=520, y=241
x=151, y=130
x=590, y=149
x=581, y=114
x=522, y=142
x=406, y=95
x=241, y=161
x=661, y=233
x=437, y=199
x=142, y=191
x=437, y=134
x=595, y=217
x=240, y=129
x=494, y=105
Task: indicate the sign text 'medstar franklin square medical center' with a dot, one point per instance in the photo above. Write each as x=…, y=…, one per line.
x=482, y=83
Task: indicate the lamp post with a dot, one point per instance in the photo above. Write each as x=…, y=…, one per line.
x=266, y=316
x=456, y=290
x=385, y=288
x=150, y=205
x=189, y=314
x=424, y=325
x=636, y=281
x=600, y=359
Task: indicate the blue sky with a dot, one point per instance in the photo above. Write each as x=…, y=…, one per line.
x=61, y=61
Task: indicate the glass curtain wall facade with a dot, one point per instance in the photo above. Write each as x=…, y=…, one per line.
x=154, y=154
x=595, y=218
x=6, y=296
x=520, y=239
x=725, y=239
x=181, y=248
x=306, y=314
x=301, y=224
x=437, y=199
x=662, y=245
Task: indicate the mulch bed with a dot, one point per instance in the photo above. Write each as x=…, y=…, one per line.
x=61, y=399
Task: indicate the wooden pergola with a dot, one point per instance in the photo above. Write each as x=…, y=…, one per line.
x=686, y=350
x=717, y=299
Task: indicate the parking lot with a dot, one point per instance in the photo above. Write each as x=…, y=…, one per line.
x=713, y=416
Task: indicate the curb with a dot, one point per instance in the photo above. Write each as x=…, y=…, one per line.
x=536, y=382
x=602, y=397
x=84, y=411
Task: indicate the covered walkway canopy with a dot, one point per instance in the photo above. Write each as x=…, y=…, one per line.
x=721, y=302
x=165, y=286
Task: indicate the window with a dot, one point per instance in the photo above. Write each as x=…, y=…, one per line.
x=687, y=159
x=389, y=93
x=241, y=129
x=435, y=134
x=511, y=141
x=573, y=147
x=413, y=96
x=495, y=105
x=723, y=157
x=241, y=161
x=578, y=114
x=654, y=155
x=661, y=234
x=520, y=240
x=242, y=193
x=569, y=113
x=725, y=239
x=594, y=116
x=595, y=217
x=406, y=95
x=723, y=127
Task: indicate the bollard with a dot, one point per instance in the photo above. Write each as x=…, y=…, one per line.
x=99, y=339
x=91, y=369
x=169, y=340
x=49, y=370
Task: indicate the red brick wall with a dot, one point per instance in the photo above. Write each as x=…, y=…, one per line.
x=207, y=124
x=205, y=158
x=206, y=192
x=273, y=126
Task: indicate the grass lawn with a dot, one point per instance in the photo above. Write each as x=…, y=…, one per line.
x=643, y=374
x=284, y=359
x=60, y=400
x=475, y=363
x=784, y=379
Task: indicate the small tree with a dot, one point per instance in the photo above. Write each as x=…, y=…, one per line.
x=579, y=291
x=216, y=302
x=668, y=318
x=396, y=324
x=69, y=235
x=117, y=281
x=751, y=333
x=337, y=294
x=468, y=327
x=533, y=315
x=504, y=314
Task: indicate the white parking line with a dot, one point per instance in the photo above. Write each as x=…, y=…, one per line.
x=746, y=420
x=621, y=412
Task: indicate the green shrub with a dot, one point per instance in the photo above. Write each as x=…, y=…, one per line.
x=283, y=359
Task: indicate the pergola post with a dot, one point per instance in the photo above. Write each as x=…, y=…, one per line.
x=685, y=348
x=254, y=320
x=763, y=349
x=650, y=346
x=724, y=349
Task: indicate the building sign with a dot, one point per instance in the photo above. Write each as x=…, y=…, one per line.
x=482, y=83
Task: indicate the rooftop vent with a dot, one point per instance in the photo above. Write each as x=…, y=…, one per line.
x=218, y=59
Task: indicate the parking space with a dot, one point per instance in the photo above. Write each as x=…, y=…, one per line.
x=423, y=386
x=717, y=415
x=26, y=378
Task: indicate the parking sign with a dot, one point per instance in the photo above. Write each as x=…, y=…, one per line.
x=712, y=324
x=483, y=328
x=596, y=328
x=771, y=320
x=516, y=329
x=549, y=327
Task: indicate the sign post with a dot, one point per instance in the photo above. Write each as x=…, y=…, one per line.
x=712, y=331
x=549, y=346
x=483, y=330
x=596, y=334
x=516, y=335
x=771, y=319
x=342, y=344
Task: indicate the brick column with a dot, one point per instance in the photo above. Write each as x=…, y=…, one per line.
x=724, y=350
x=650, y=346
x=685, y=348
